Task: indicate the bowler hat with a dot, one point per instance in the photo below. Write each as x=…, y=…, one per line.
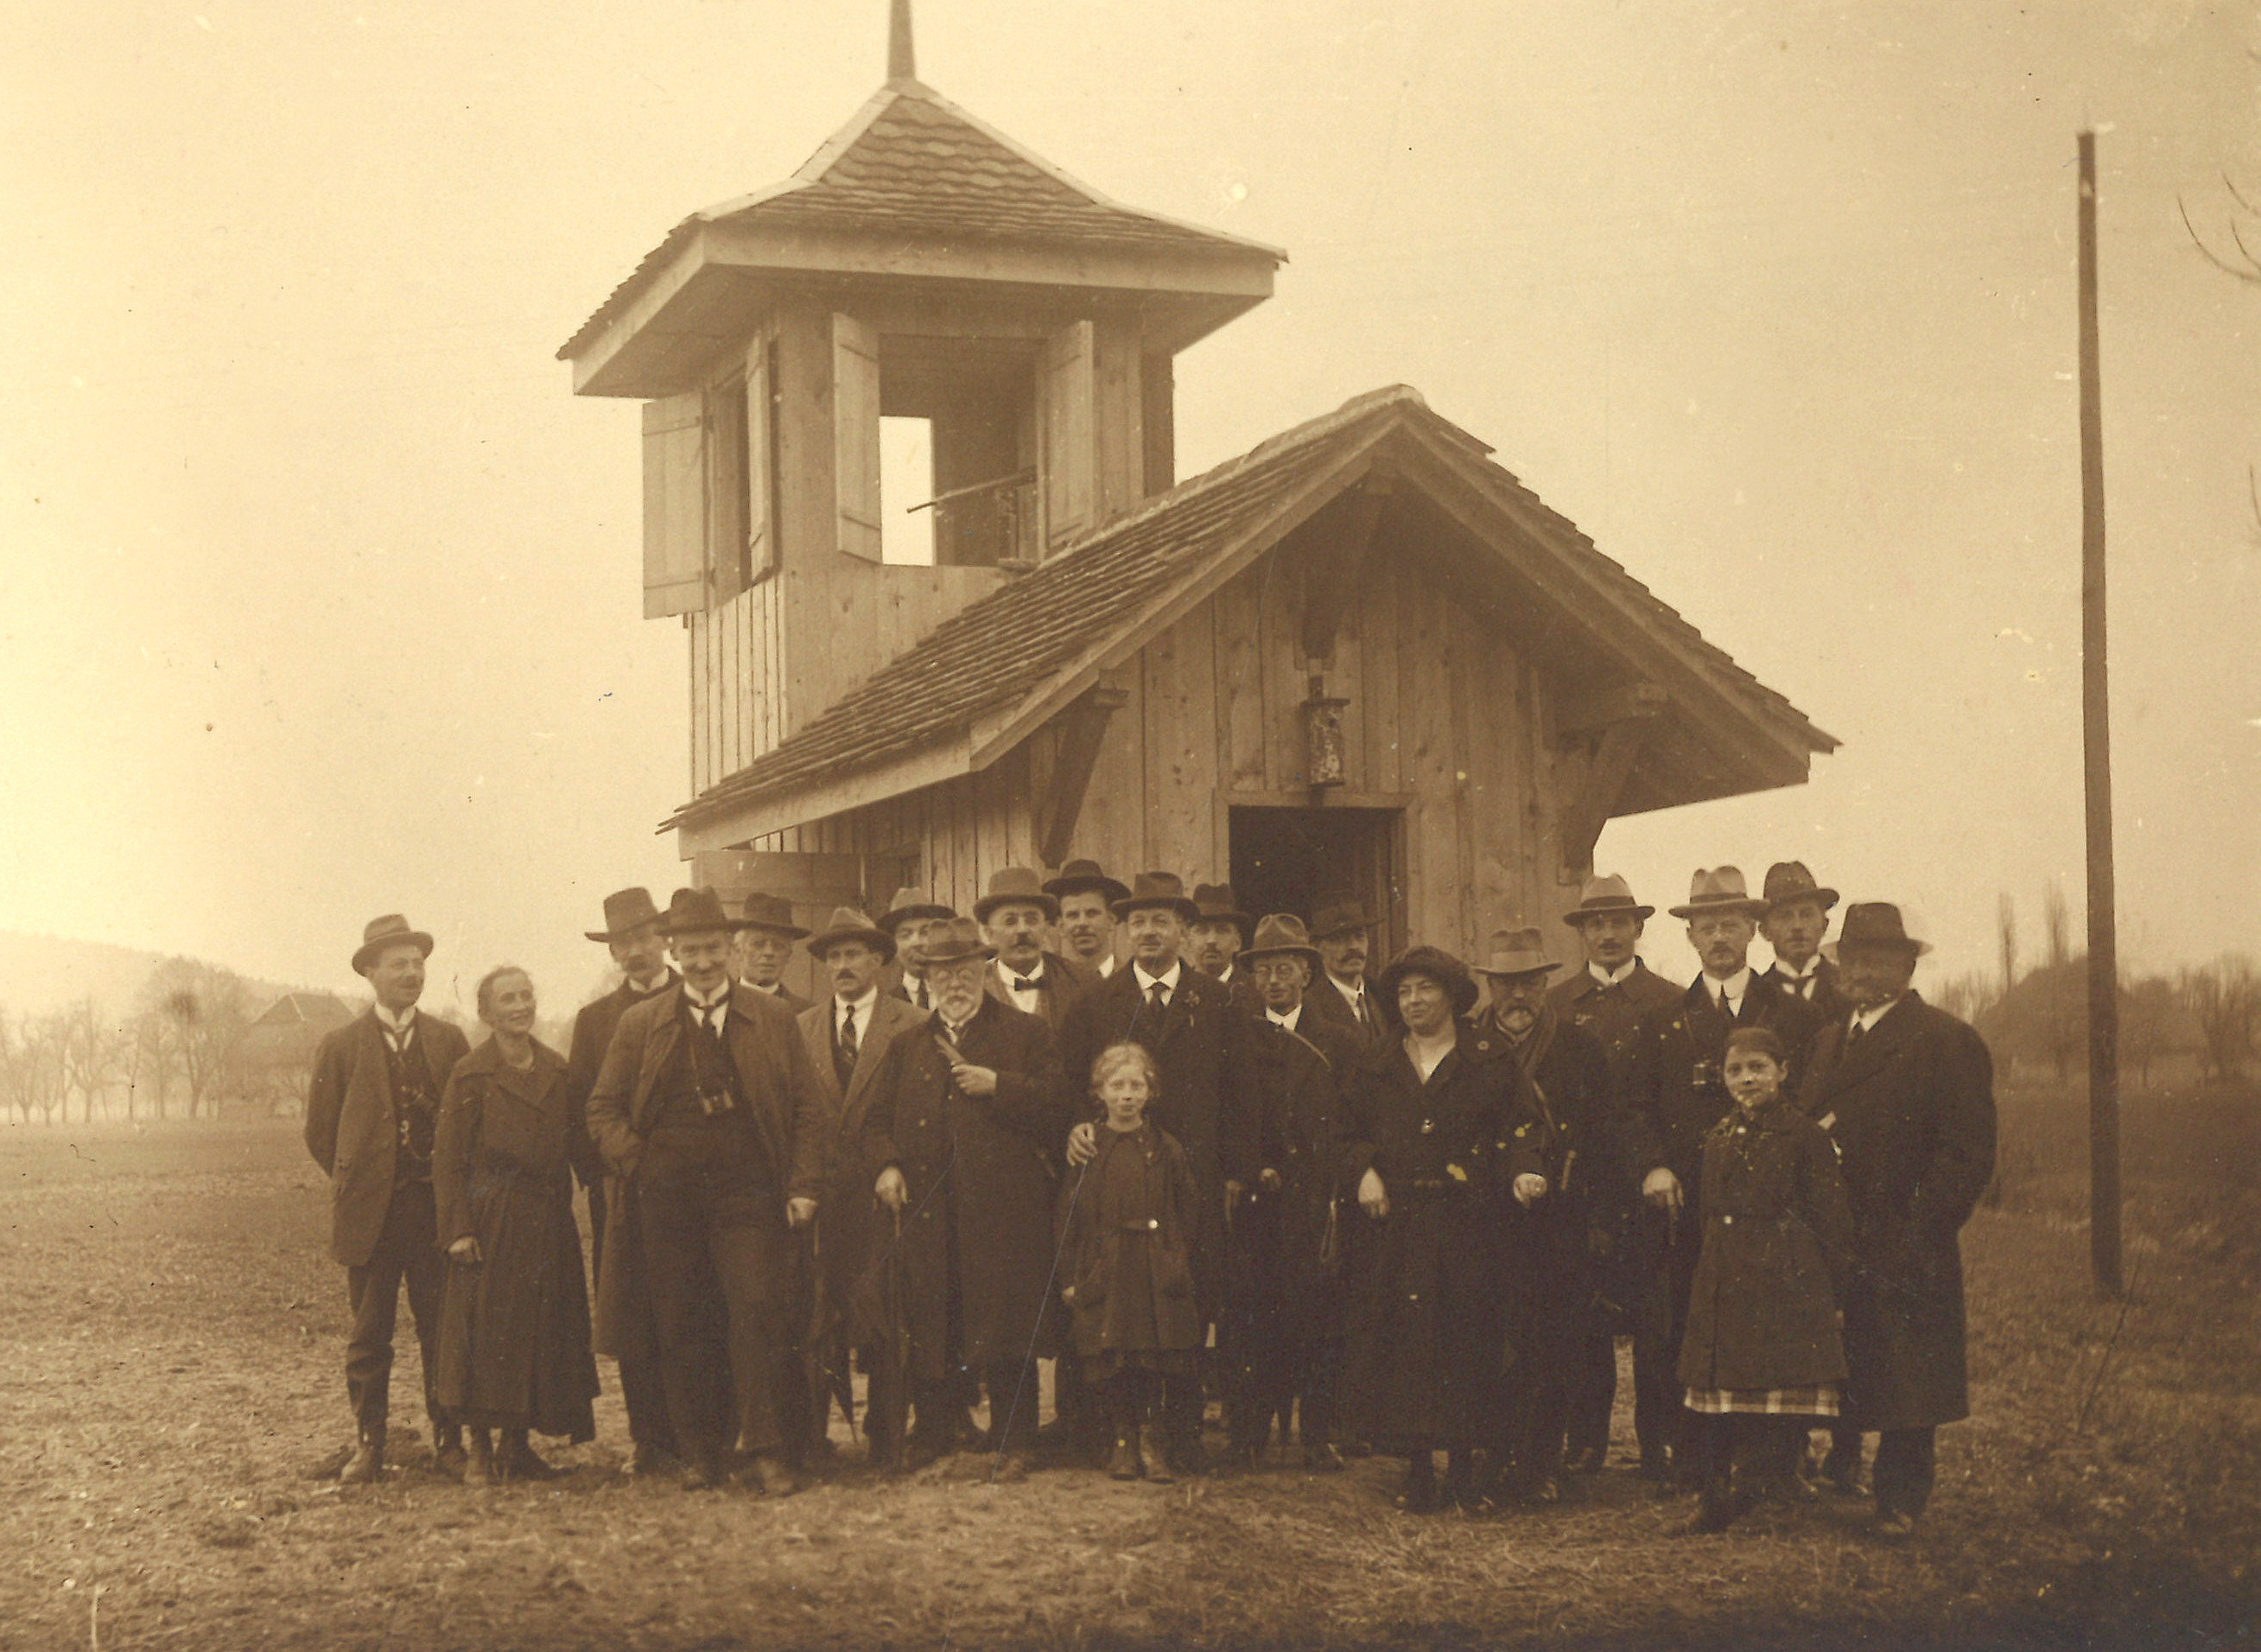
x=847, y=924
x=1080, y=875
x=694, y=912
x=954, y=942
x=1434, y=962
x=773, y=913
x=1010, y=884
x=392, y=929
x=625, y=911
x=1603, y=897
x=1337, y=916
x=1215, y=904
x=1718, y=890
x=1789, y=880
x=1518, y=952
x=909, y=906
x=1279, y=934
x=1877, y=923
x=1156, y=889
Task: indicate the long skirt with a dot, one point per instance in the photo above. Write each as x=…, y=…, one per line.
x=1428, y=1325
x=515, y=1326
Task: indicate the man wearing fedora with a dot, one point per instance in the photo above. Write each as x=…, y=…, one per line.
x=372, y=1114
x=764, y=946
x=1795, y=923
x=848, y=1037
x=1569, y=1228
x=1209, y=1098
x=1907, y=1093
x=708, y=1109
x=1287, y=1287
x=1014, y=916
x=1344, y=935
x=1674, y=1094
x=1606, y=1000
x=1087, y=916
x=632, y=935
x=909, y=919
x=1214, y=940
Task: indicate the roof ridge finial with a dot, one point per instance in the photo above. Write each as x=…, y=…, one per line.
x=902, y=61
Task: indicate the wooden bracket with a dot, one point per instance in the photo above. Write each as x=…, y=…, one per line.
x=1331, y=568
x=1083, y=725
x=1618, y=721
x=1584, y=716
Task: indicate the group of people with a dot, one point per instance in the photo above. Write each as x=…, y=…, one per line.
x=1181, y=1154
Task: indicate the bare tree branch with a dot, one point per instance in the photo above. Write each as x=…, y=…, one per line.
x=2251, y=274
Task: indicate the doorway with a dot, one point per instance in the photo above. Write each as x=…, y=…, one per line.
x=1295, y=859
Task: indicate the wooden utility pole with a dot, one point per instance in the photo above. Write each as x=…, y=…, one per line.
x=2096, y=730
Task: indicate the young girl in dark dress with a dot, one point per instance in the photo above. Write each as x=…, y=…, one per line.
x=1126, y=1225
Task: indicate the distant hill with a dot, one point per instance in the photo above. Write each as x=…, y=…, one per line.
x=39, y=973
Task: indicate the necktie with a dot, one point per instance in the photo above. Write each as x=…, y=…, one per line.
x=1158, y=995
x=921, y=994
x=1365, y=1011
x=1024, y=984
x=848, y=1037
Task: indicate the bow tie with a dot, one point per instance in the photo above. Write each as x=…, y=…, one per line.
x=1028, y=983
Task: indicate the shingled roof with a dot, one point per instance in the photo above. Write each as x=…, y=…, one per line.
x=914, y=163
x=1008, y=646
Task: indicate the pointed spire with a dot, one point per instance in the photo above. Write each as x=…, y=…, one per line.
x=902, y=61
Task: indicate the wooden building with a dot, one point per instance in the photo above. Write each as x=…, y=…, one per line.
x=1361, y=657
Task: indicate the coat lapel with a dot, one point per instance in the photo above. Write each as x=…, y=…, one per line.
x=1853, y=1068
x=889, y=1018
x=658, y=1053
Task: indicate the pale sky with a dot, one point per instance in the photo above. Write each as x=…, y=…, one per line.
x=320, y=589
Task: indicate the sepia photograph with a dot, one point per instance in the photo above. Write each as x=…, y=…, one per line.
x=1121, y=824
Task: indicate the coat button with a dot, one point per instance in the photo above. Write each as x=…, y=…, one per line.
x=1729, y=1220
x=1428, y=1124
x=1154, y=1221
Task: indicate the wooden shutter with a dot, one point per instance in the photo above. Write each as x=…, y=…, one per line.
x=1068, y=389
x=729, y=493
x=856, y=435
x=675, y=505
x=761, y=456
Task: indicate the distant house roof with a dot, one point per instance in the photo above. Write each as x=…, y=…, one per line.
x=1029, y=647
x=913, y=162
x=295, y=1009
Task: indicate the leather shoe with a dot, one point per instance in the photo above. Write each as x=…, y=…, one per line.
x=1840, y=1472
x=1419, y=1495
x=702, y=1474
x=772, y=1476
x=1324, y=1458
x=1122, y=1463
x=1585, y=1460
x=1153, y=1462
x=646, y=1460
x=519, y=1462
x=1895, y=1526
x=367, y=1462
x=448, y=1449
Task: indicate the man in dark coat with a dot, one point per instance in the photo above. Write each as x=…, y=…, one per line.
x=848, y=1037
x=1908, y=1093
x=1676, y=1092
x=708, y=1112
x=1013, y=916
x=910, y=917
x=1086, y=897
x=632, y=935
x=1205, y=1051
x=1287, y=1286
x=1566, y=1231
x=1214, y=940
x=965, y=1127
x=372, y=1114
x=1606, y=1000
x=1344, y=934
x=1794, y=924
x=764, y=947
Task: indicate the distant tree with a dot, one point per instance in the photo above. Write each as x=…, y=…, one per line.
x=2005, y=914
x=32, y=1065
x=150, y=1065
x=2057, y=924
x=206, y=1008
x=1966, y=997
x=2149, y=1013
x=95, y=1054
x=2224, y=997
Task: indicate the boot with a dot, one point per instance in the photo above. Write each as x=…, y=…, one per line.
x=1460, y=1490
x=1419, y=1493
x=1153, y=1462
x=1123, y=1463
x=1321, y=1456
x=519, y=1461
x=368, y=1460
x=772, y=1475
x=448, y=1449
x=479, y=1463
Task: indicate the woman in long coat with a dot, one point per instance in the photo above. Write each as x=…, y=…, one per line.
x=514, y=1324
x=1433, y=1151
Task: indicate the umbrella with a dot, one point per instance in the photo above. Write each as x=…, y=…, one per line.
x=824, y=1348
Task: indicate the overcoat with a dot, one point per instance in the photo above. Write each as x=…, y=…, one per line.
x=1240, y=987
x=1612, y=1014
x=785, y=1108
x=1325, y=1000
x=1572, y=1235
x=845, y=1218
x=349, y=1124
x=1777, y=1251
x=1428, y=1316
x=1911, y=1109
x=1064, y=982
x=1304, y=1134
x=514, y=1325
x=981, y=1173
x=593, y=1026
x=1675, y=1090
x=1125, y=1244
x=784, y=995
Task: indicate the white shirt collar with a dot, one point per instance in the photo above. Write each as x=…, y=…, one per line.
x=400, y=1025
x=1105, y=965
x=1866, y=1019
x=858, y=1008
x=1226, y=978
x=1812, y=968
x=651, y=984
x=1617, y=977
x=1290, y=1021
x=1734, y=989
x=719, y=1000
x=1351, y=992
x=1169, y=978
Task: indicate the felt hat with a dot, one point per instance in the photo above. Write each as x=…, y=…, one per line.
x=1434, y=962
x=1339, y=916
x=1789, y=880
x=1516, y=952
x=1080, y=875
x=1153, y=889
x=1281, y=934
x=1720, y=889
x=1877, y=923
x=392, y=929
x=1603, y=897
x=1215, y=904
x=773, y=913
x=1010, y=884
x=956, y=940
x=911, y=905
x=625, y=911
x=696, y=911
x=847, y=924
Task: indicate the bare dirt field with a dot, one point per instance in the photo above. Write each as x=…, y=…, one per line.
x=170, y=1340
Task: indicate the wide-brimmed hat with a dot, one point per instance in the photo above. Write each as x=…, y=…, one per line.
x=1278, y=933
x=1605, y=897
x=847, y=924
x=625, y=911
x=1080, y=875
x=1337, y=916
x=1720, y=889
x=1215, y=904
x=1010, y=884
x=1516, y=952
x=954, y=941
x=1877, y=923
x=392, y=929
x=772, y=913
x=695, y=911
x=1153, y=889
x=1789, y=880
x=910, y=905
x=1434, y=962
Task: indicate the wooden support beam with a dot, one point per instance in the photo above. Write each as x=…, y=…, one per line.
x=1597, y=796
x=1584, y=716
x=1083, y=725
x=1345, y=535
